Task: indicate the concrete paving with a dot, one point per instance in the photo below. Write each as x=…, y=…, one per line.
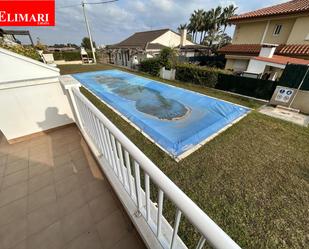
x=53, y=195
x=285, y=114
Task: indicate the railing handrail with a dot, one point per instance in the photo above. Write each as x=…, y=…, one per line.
x=206, y=226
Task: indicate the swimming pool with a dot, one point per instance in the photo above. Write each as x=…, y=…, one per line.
x=177, y=120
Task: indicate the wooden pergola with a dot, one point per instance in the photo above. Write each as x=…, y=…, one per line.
x=17, y=33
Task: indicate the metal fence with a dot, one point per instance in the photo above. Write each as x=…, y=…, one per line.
x=295, y=75
x=257, y=88
x=126, y=162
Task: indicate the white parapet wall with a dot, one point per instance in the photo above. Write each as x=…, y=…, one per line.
x=167, y=74
x=31, y=97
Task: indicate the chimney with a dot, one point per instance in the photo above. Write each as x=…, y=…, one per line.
x=183, y=37
x=268, y=50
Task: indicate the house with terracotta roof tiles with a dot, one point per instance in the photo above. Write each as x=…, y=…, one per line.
x=265, y=40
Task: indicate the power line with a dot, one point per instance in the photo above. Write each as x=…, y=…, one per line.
x=86, y=3
x=110, y=1
x=68, y=6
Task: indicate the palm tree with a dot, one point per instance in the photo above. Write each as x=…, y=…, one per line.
x=200, y=22
x=196, y=23
x=215, y=21
x=227, y=13
x=182, y=27
x=206, y=24
x=216, y=18
x=192, y=26
x=209, y=24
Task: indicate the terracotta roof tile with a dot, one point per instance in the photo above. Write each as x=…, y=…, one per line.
x=241, y=48
x=254, y=49
x=294, y=50
x=283, y=60
x=291, y=7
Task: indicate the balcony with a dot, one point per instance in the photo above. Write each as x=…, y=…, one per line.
x=54, y=195
x=71, y=179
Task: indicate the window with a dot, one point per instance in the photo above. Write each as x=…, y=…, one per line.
x=277, y=29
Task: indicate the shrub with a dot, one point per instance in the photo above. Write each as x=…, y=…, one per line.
x=204, y=76
x=151, y=66
x=23, y=50
x=72, y=55
x=168, y=58
x=67, y=56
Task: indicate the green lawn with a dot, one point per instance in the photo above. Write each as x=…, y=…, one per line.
x=252, y=180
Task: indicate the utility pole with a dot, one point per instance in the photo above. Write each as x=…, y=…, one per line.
x=89, y=33
x=299, y=87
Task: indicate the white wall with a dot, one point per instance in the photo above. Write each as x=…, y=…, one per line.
x=189, y=54
x=267, y=52
x=167, y=74
x=257, y=66
x=170, y=39
x=30, y=106
x=30, y=109
x=240, y=65
x=15, y=67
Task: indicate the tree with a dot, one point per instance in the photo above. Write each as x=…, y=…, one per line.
x=168, y=57
x=193, y=25
x=182, y=27
x=228, y=12
x=210, y=25
x=86, y=43
x=217, y=40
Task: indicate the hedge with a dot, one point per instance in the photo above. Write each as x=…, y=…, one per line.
x=217, y=61
x=205, y=76
x=67, y=56
x=258, y=88
x=215, y=78
x=151, y=66
x=23, y=50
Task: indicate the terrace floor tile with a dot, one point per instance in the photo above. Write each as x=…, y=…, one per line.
x=53, y=195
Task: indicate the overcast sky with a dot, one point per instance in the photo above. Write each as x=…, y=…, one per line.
x=112, y=22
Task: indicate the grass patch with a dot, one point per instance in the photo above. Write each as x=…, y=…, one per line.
x=252, y=180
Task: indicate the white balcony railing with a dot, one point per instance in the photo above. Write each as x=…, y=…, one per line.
x=122, y=163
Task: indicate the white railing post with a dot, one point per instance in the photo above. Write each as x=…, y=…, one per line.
x=129, y=174
x=159, y=214
x=147, y=197
x=138, y=187
x=176, y=226
x=69, y=85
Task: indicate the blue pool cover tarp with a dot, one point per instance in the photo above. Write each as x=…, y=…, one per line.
x=175, y=118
